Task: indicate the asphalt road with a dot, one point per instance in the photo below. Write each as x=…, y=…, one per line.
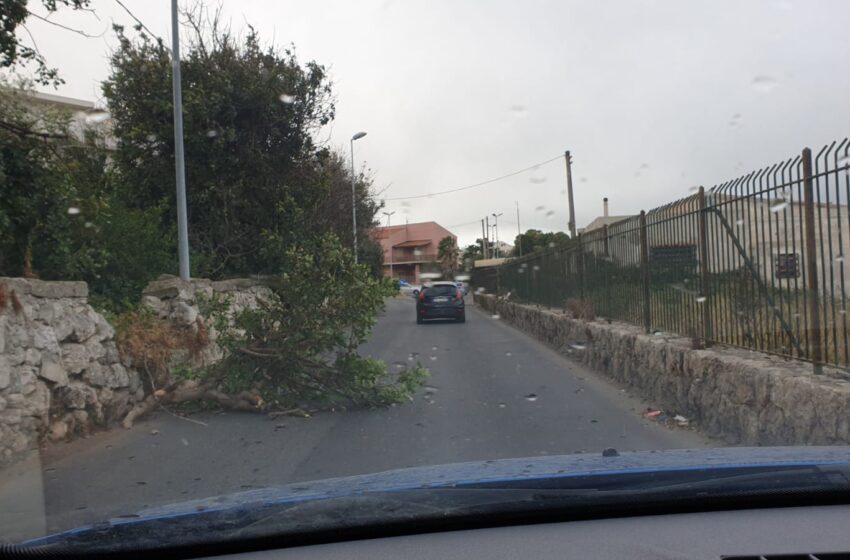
x=494, y=393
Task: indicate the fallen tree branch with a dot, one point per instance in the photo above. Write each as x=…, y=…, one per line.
x=192, y=390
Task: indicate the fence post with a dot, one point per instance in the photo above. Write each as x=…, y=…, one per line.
x=707, y=334
x=580, y=264
x=606, y=272
x=816, y=352
x=644, y=265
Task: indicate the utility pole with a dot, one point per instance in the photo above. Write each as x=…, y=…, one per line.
x=572, y=223
x=389, y=215
x=179, y=158
x=518, y=230
x=487, y=237
x=483, y=240
x=496, y=232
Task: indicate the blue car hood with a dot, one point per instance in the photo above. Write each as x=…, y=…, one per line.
x=460, y=475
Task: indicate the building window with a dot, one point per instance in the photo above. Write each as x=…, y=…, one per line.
x=787, y=265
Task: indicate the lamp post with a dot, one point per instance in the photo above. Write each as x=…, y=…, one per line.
x=357, y=136
x=496, y=231
x=182, y=221
x=388, y=215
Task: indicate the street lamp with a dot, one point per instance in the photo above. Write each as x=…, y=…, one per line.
x=179, y=171
x=496, y=230
x=388, y=215
x=357, y=136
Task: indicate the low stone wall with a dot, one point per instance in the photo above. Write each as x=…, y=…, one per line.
x=741, y=396
x=60, y=371
x=182, y=304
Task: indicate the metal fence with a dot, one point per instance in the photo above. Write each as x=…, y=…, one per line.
x=756, y=262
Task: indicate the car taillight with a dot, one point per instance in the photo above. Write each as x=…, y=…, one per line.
x=459, y=295
x=421, y=296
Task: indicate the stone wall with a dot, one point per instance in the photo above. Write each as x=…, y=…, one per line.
x=741, y=396
x=182, y=304
x=60, y=371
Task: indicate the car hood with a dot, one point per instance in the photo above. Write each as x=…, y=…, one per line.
x=503, y=473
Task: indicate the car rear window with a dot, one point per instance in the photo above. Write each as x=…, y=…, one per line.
x=434, y=291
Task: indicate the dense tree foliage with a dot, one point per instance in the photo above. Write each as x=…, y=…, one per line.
x=447, y=254
x=16, y=53
x=62, y=214
x=535, y=240
x=257, y=180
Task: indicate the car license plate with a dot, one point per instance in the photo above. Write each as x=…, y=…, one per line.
x=441, y=299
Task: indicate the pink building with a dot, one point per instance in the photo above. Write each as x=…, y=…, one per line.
x=410, y=248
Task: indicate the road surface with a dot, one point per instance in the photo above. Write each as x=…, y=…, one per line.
x=494, y=393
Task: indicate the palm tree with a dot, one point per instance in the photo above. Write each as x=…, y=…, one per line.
x=447, y=254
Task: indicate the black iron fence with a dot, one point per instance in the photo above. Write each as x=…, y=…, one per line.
x=756, y=262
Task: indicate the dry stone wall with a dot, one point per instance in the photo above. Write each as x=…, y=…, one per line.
x=61, y=374
x=741, y=396
x=183, y=305
x=60, y=371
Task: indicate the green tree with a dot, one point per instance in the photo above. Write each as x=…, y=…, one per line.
x=15, y=53
x=258, y=182
x=62, y=214
x=535, y=240
x=472, y=253
x=302, y=344
x=447, y=254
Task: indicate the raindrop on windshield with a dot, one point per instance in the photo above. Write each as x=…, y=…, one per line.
x=550, y=213
x=693, y=189
x=433, y=358
x=536, y=267
x=480, y=290
x=286, y=98
x=508, y=354
x=184, y=441
x=531, y=397
x=551, y=244
x=73, y=210
x=843, y=160
x=537, y=180
x=578, y=346
x=495, y=316
x=739, y=222
x=518, y=110
x=701, y=299
x=462, y=278
x=89, y=225
x=583, y=180
x=151, y=137
x=839, y=258
x=764, y=84
x=779, y=206
x=212, y=133
x=539, y=208
x=503, y=405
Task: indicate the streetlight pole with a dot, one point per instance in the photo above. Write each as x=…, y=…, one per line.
x=496, y=232
x=388, y=215
x=357, y=136
x=179, y=165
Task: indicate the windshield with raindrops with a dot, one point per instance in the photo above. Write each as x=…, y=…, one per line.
x=254, y=245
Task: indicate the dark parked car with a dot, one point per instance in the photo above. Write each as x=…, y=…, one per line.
x=441, y=300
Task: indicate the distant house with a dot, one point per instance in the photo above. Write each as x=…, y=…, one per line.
x=601, y=221
x=83, y=115
x=410, y=249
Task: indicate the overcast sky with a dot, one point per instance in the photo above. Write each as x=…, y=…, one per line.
x=652, y=98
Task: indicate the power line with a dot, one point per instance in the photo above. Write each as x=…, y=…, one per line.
x=482, y=183
x=145, y=27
